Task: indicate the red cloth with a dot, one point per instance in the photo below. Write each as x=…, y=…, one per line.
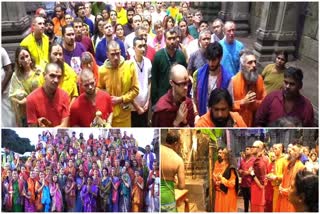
x=82, y=112
x=272, y=108
x=245, y=165
x=39, y=105
x=166, y=111
x=258, y=194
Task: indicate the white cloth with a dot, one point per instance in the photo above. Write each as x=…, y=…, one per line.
x=143, y=77
x=7, y=115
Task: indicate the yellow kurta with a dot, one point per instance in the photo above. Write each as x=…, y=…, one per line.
x=122, y=17
x=68, y=82
x=120, y=82
x=39, y=53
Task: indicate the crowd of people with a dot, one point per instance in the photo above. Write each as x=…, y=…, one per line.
x=273, y=179
x=110, y=65
x=74, y=174
x=269, y=179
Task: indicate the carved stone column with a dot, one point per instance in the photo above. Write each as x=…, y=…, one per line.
x=277, y=30
x=15, y=25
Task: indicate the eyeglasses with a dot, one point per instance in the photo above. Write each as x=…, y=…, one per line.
x=181, y=84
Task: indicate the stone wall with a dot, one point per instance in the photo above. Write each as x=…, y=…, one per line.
x=309, y=45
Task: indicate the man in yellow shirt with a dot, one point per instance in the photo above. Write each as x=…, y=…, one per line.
x=276, y=174
x=121, y=14
x=37, y=42
x=119, y=78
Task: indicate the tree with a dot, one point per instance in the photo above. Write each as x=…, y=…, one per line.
x=15, y=143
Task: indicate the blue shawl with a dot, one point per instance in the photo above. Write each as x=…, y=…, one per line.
x=202, y=85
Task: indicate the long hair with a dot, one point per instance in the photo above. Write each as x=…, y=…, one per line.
x=19, y=69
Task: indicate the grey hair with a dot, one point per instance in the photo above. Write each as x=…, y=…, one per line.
x=243, y=56
x=204, y=32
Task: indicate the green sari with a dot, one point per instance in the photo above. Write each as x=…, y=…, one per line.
x=168, y=201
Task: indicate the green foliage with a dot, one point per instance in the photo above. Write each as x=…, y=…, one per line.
x=11, y=140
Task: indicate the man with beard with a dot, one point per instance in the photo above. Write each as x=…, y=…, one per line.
x=79, y=10
x=258, y=173
x=101, y=50
x=208, y=77
x=289, y=174
x=174, y=109
x=53, y=110
x=59, y=20
x=68, y=81
x=225, y=180
x=72, y=50
x=128, y=28
x=37, y=42
x=219, y=113
x=247, y=88
x=48, y=30
x=287, y=102
x=84, y=40
x=115, y=72
x=246, y=178
x=91, y=101
x=231, y=48
x=162, y=62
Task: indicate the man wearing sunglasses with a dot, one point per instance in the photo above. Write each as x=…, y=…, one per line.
x=174, y=109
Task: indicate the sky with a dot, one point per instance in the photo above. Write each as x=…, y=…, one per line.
x=144, y=136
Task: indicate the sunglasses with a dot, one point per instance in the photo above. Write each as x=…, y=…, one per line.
x=181, y=84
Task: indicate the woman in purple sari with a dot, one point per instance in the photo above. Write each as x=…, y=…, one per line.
x=57, y=203
x=89, y=194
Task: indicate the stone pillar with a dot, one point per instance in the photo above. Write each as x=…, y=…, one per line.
x=277, y=30
x=237, y=12
x=15, y=25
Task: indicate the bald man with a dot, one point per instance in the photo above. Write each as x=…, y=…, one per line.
x=174, y=109
x=49, y=105
x=231, y=48
x=258, y=173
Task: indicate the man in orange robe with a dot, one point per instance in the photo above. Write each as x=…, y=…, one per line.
x=225, y=181
x=219, y=113
x=290, y=171
x=247, y=88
